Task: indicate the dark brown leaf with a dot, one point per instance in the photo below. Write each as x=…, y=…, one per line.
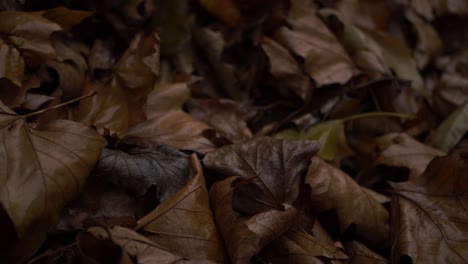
x=138, y=170
x=271, y=171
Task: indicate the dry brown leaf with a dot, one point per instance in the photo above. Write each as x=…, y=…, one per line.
x=325, y=59
x=168, y=124
x=400, y=150
x=246, y=236
x=331, y=188
x=184, y=223
x=271, y=171
x=285, y=69
x=59, y=157
x=226, y=116
x=226, y=11
x=30, y=34
x=65, y=17
x=430, y=222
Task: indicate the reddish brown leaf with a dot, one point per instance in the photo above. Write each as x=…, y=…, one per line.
x=184, y=223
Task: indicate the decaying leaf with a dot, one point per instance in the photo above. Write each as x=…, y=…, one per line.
x=139, y=169
x=355, y=205
x=184, y=223
x=430, y=217
x=59, y=157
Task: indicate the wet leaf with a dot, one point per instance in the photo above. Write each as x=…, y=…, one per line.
x=430, y=223
x=354, y=205
x=184, y=223
x=60, y=155
x=139, y=169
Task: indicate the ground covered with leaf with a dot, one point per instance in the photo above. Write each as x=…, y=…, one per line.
x=204, y=131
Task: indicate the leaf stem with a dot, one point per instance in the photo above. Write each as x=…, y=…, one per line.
x=60, y=105
x=378, y=114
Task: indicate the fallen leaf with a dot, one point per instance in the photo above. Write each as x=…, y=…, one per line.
x=64, y=17
x=168, y=124
x=184, y=223
x=139, y=169
x=389, y=50
x=360, y=254
x=271, y=170
x=246, y=236
x=226, y=11
x=400, y=150
x=354, y=205
x=325, y=59
x=298, y=246
x=450, y=131
x=430, y=220
x=60, y=155
x=285, y=69
x=226, y=116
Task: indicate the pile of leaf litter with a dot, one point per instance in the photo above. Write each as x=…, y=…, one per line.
x=204, y=131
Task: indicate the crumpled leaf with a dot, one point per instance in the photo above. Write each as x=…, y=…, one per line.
x=451, y=130
x=400, y=150
x=59, y=157
x=285, y=69
x=325, y=59
x=360, y=254
x=331, y=188
x=168, y=124
x=246, y=236
x=388, y=50
x=139, y=169
x=226, y=116
x=430, y=221
x=184, y=223
x=271, y=170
